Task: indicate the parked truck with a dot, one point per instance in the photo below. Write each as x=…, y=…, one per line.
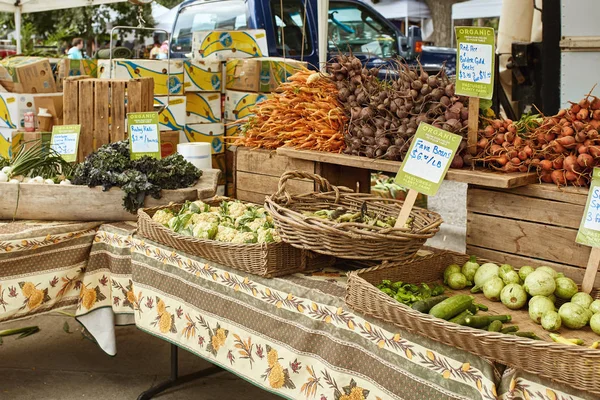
x=292, y=32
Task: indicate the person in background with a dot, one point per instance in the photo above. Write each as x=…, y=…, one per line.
x=63, y=48
x=75, y=52
x=164, y=51
x=155, y=50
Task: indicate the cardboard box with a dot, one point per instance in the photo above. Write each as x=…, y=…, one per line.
x=5, y=142
x=103, y=69
x=263, y=74
x=29, y=138
x=203, y=107
x=171, y=118
x=221, y=45
x=239, y=105
x=68, y=67
x=53, y=102
x=13, y=107
x=157, y=69
x=209, y=133
x=168, y=143
x=202, y=76
x=27, y=75
x=232, y=129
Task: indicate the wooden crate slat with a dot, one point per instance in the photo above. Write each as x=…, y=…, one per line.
x=268, y=162
x=568, y=194
x=117, y=108
x=71, y=100
x=86, y=117
x=101, y=120
x=527, y=239
x=252, y=197
x=247, y=181
x=573, y=272
x=508, y=205
x=147, y=94
x=134, y=96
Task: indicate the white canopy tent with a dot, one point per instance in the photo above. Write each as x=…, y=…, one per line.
x=477, y=9
x=408, y=10
x=19, y=7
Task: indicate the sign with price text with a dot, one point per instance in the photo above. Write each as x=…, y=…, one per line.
x=475, y=61
x=144, y=135
x=65, y=141
x=428, y=159
x=589, y=230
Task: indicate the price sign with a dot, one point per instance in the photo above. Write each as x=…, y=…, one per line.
x=65, y=141
x=428, y=159
x=475, y=61
x=589, y=229
x=144, y=135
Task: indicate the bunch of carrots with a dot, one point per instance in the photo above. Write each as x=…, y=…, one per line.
x=303, y=114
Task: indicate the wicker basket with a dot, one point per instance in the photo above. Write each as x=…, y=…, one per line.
x=575, y=366
x=268, y=260
x=346, y=240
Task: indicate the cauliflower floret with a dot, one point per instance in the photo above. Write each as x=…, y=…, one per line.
x=244, y=237
x=205, y=217
x=236, y=209
x=256, y=224
x=225, y=234
x=203, y=207
x=215, y=210
x=268, y=235
x=163, y=216
x=205, y=230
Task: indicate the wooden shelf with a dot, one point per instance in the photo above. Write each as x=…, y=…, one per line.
x=480, y=177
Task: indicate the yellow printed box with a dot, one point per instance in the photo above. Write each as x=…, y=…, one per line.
x=221, y=45
x=27, y=75
x=70, y=67
x=202, y=76
x=232, y=129
x=157, y=69
x=5, y=142
x=240, y=105
x=208, y=133
x=172, y=118
x=263, y=74
x=13, y=107
x=103, y=69
x=203, y=108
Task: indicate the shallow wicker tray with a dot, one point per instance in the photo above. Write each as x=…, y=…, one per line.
x=268, y=260
x=576, y=366
x=346, y=240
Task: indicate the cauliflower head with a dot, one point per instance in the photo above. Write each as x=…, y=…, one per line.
x=205, y=230
x=268, y=235
x=163, y=217
x=225, y=234
x=205, y=217
x=236, y=209
x=244, y=237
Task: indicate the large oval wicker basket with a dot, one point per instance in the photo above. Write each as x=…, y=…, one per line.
x=348, y=239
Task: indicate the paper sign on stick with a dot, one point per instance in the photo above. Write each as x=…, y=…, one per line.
x=144, y=135
x=65, y=141
x=475, y=61
x=428, y=159
x=589, y=231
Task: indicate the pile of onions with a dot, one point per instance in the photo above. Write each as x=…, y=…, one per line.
x=384, y=114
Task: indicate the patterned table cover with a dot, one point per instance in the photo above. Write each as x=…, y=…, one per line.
x=293, y=336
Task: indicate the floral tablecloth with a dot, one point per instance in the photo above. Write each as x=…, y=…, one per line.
x=41, y=265
x=292, y=336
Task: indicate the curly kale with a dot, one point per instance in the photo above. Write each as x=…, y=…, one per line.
x=110, y=166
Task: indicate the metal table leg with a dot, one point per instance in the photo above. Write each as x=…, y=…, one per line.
x=175, y=379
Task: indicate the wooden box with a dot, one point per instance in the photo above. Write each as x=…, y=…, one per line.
x=100, y=106
x=530, y=225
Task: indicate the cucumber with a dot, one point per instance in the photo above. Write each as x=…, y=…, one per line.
x=529, y=335
x=460, y=318
x=510, y=329
x=495, y=326
x=480, y=321
x=473, y=309
x=425, y=305
x=451, y=307
x=481, y=307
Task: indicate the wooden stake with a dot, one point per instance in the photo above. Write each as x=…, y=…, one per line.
x=473, y=124
x=591, y=270
x=409, y=202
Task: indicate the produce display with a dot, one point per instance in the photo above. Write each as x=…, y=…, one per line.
x=342, y=214
x=35, y=164
x=303, y=114
x=232, y=222
x=562, y=148
x=111, y=166
x=384, y=114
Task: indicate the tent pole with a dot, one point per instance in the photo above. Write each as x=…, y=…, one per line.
x=323, y=28
x=18, y=26
x=406, y=25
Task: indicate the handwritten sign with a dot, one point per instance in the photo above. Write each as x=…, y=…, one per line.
x=144, y=135
x=589, y=230
x=65, y=141
x=428, y=159
x=475, y=62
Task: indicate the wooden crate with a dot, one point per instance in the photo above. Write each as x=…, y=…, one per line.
x=100, y=106
x=531, y=225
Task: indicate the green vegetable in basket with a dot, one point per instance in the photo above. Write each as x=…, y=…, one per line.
x=408, y=293
x=451, y=307
x=451, y=269
x=551, y=321
x=470, y=268
x=513, y=296
x=583, y=299
x=524, y=271
x=595, y=323
x=457, y=281
x=565, y=288
x=425, y=305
